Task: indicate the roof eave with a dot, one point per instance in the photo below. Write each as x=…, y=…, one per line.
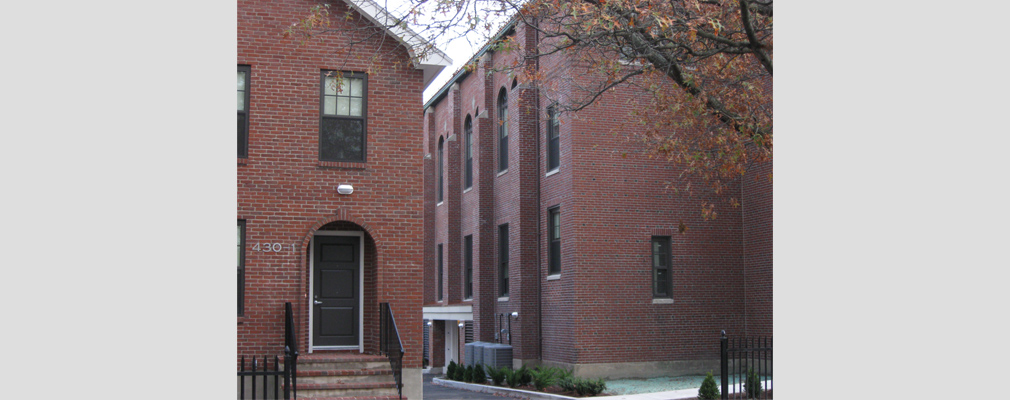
x=463, y=72
x=431, y=64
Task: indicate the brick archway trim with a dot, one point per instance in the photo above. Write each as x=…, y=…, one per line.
x=341, y=214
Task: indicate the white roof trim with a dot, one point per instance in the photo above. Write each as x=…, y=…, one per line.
x=431, y=64
x=459, y=313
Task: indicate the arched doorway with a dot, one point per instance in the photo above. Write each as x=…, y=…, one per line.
x=341, y=287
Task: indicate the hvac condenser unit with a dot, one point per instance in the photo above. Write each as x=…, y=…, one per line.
x=498, y=355
x=469, y=350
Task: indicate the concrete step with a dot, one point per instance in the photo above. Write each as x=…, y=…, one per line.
x=336, y=376
x=357, y=389
x=341, y=361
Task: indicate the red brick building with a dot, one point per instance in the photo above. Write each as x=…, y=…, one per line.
x=302, y=140
x=537, y=233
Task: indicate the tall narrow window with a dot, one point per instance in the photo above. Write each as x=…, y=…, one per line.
x=439, y=272
x=468, y=168
x=554, y=235
x=342, y=121
x=244, y=73
x=553, y=144
x=468, y=267
x=503, y=131
x=241, y=266
x=441, y=169
x=661, y=267
x=503, y=260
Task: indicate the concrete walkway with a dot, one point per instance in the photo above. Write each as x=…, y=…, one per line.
x=436, y=392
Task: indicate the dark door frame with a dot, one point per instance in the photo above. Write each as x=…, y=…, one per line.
x=361, y=289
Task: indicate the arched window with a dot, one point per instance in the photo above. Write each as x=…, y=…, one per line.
x=503, y=131
x=441, y=168
x=468, y=168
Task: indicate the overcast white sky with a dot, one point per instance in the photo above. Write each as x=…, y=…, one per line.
x=459, y=50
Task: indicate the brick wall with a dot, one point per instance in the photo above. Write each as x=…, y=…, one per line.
x=613, y=198
x=285, y=194
x=757, y=205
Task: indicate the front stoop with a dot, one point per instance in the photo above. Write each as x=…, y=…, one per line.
x=345, y=376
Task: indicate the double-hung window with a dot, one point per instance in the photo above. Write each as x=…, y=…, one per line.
x=440, y=272
x=468, y=267
x=553, y=143
x=661, y=280
x=343, y=117
x=468, y=168
x=441, y=169
x=503, y=260
x=244, y=74
x=503, y=131
x=554, y=236
x=241, y=266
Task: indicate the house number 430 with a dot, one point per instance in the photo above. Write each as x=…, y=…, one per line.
x=274, y=247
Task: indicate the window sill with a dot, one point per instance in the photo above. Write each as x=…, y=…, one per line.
x=439, y=203
x=662, y=301
x=503, y=172
x=341, y=164
x=552, y=172
x=468, y=189
x=503, y=299
x=554, y=277
x=468, y=300
x=243, y=161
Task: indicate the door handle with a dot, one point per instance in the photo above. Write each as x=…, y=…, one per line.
x=317, y=302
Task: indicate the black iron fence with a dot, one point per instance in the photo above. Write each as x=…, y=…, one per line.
x=276, y=380
x=746, y=366
x=390, y=345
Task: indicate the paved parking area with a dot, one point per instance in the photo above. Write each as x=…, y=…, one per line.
x=435, y=392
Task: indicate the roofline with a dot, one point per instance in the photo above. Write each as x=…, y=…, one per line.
x=463, y=72
x=432, y=64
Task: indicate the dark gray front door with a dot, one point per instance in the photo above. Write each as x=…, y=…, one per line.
x=335, y=291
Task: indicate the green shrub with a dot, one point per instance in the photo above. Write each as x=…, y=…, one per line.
x=543, y=377
x=566, y=383
x=450, y=371
x=511, y=378
x=589, y=387
x=709, y=390
x=525, y=377
x=467, y=374
x=518, y=377
x=497, y=374
x=478, y=375
x=752, y=384
x=565, y=373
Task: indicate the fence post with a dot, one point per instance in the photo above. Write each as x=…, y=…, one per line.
x=288, y=368
x=724, y=365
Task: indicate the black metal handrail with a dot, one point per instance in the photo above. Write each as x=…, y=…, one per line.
x=390, y=344
x=290, y=353
x=752, y=365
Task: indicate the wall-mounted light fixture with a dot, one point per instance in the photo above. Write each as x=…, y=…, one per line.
x=429, y=323
x=460, y=324
x=345, y=189
x=515, y=315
